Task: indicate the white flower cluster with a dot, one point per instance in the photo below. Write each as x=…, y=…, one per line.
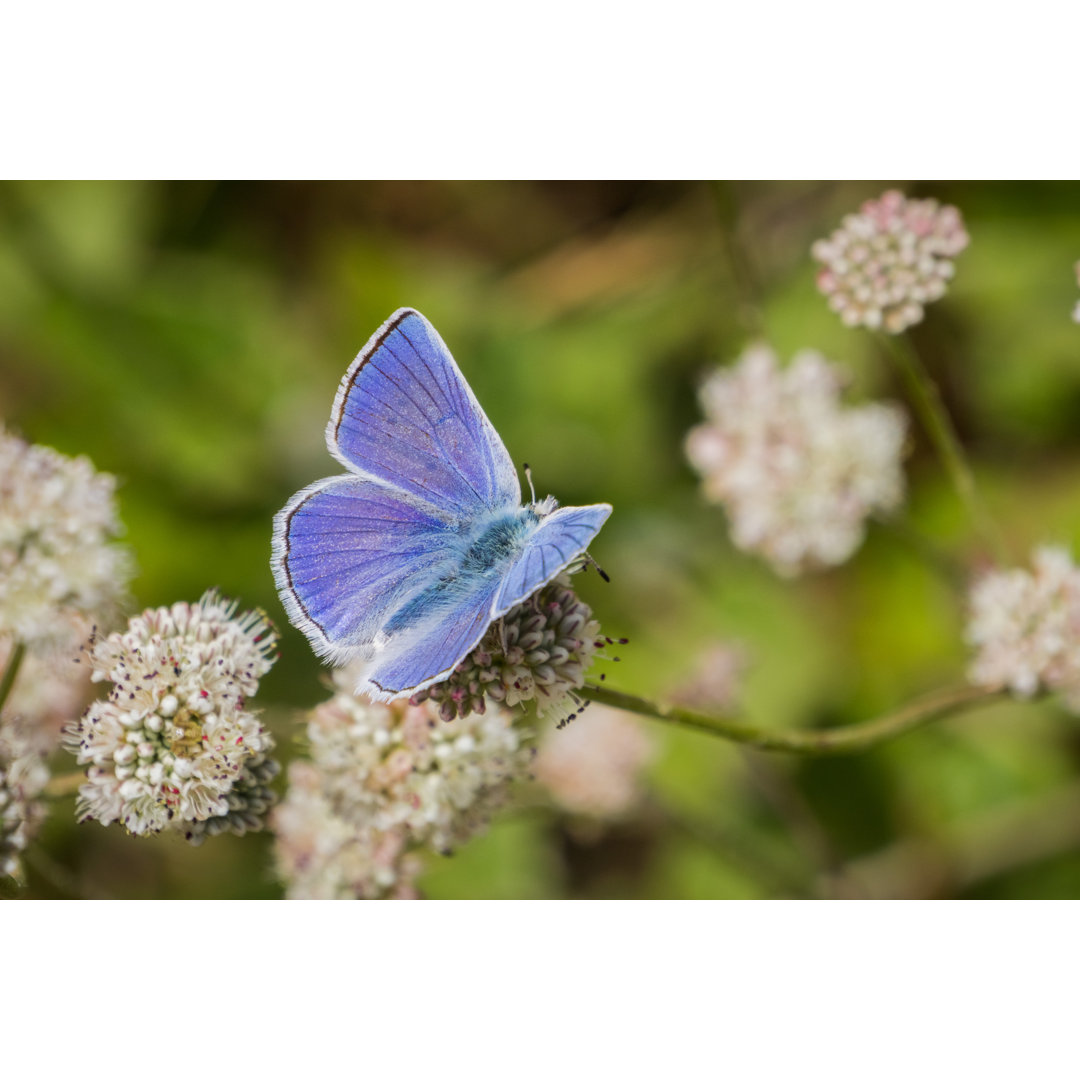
x=1025, y=627
x=594, y=766
x=23, y=775
x=173, y=746
x=797, y=472
x=58, y=570
x=394, y=777
x=886, y=262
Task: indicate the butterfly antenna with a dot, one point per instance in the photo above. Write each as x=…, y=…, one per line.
x=528, y=476
x=599, y=568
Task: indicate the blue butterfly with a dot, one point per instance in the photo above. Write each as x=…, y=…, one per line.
x=402, y=563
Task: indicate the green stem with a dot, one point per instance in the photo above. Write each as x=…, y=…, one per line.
x=12, y=669
x=950, y=569
x=837, y=740
x=939, y=427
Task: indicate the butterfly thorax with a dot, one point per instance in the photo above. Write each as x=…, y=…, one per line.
x=498, y=540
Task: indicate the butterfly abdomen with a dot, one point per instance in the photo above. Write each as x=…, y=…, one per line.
x=484, y=552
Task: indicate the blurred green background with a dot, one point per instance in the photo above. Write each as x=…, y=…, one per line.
x=189, y=338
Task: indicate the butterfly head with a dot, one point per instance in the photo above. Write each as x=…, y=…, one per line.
x=542, y=507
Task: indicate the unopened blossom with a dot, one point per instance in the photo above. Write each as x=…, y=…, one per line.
x=1076, y=310
x=594, y=766
x=23, y=775
x=321, y=855
x=538, y=653
x=1024, y=626
x=58, y=564
x=397, y=765
x=885, y=263
x=174, y=745
x=797, y=472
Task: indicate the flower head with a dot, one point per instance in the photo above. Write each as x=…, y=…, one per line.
x=384, y=782
x=323, y=856
x=885, y=262
x=396, y=765
x=1076, y=310
x=593, y=767
x=173, y=746
x=537, y=652
x=58, y=568
x=1025, y=627
x=797, y=472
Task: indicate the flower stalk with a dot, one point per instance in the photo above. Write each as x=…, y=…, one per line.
x=935, y=418
x=847, y=739
x=11, y=671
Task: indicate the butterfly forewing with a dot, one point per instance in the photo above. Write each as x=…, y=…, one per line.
x=405, y=415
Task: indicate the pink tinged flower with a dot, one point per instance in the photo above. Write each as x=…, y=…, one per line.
x=884, y=264
x=174, y=746
x=1024, y=626
x=1076, y=310
x=797, y=472
x=385, y=783
x=594, y=766
x=321, y=855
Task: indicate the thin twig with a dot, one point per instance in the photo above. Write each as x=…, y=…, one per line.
x=12, y=669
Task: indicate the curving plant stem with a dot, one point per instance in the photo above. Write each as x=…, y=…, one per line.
x=11, y=671
x=939, y=427
x=837, y=740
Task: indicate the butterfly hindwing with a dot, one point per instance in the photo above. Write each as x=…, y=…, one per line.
x=559, y=538
x=429, y=651
x=405, y=415
x=348, y=552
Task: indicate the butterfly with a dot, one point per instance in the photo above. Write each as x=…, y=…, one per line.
x=402, y=563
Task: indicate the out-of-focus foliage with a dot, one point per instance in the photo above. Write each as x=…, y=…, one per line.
x=189, y=338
